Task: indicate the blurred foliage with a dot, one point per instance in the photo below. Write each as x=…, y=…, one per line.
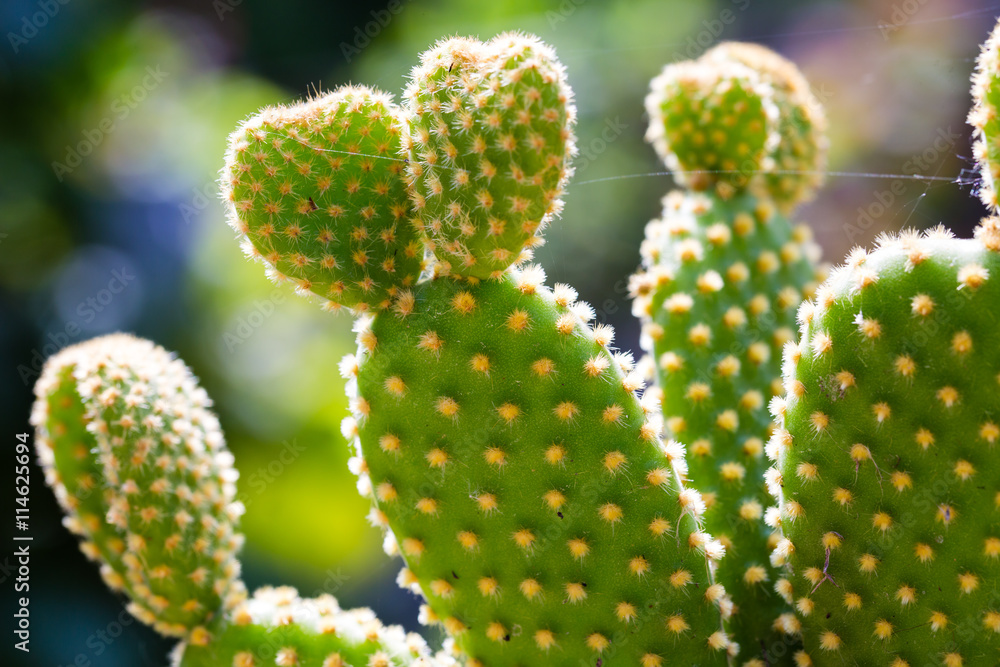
x=115, y=119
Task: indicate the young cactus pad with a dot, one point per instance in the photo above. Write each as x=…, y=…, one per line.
x=525, y=484
x=490, y=148
x=317, y=192
x=276, y=627
x=799, y=159
x=138, y=463
x=739, y=118
x=886, y=456
x=723, y=272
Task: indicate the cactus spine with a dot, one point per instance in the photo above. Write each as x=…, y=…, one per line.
x=723, y=271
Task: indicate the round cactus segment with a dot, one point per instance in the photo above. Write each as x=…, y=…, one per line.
x=717, y=298
x=138, y=463
x=800, y=157
x=714, y=125
x=985, y=117
x=885, y=454
x=525, y=484
x=317, y=192
x=740, y=118
x=492, y=135
x=277, y=627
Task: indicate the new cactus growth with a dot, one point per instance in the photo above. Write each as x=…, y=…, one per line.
x=502, y=442
x=317, y=193
x=740, y=118
x=723, y=272
x=489, y=147
x=138, y=463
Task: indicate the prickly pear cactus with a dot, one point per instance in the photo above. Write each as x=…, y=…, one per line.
x=276, y=627
x=489, y=148
x=885, y=456
x=739, y=118
x=525, y=484
x=723, y=272
x=139, y=465
x=713, y=127
x=502, y=442
x=793, y=171
x=317, y=193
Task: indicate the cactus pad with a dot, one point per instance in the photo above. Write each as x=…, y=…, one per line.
x=525, y=484
x=739, y=118
x=491, y=140
x=317, y=192
x=276, y=627
x=137, y=461
x=799, y=159
x=985, y=117
x=717, y=299
x=886, y=456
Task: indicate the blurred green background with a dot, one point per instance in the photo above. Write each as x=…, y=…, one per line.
x=113, y=121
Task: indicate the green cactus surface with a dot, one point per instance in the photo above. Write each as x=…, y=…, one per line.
x=276, y=627
x=139, y=465
x=723, y=273
x=886, y=470
x=718, y=301
x=712, y=126
x=526, y=485
x=799, y=159
x=317, y=192
x=985, y=117
x=490, y=147
x=740, y=118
